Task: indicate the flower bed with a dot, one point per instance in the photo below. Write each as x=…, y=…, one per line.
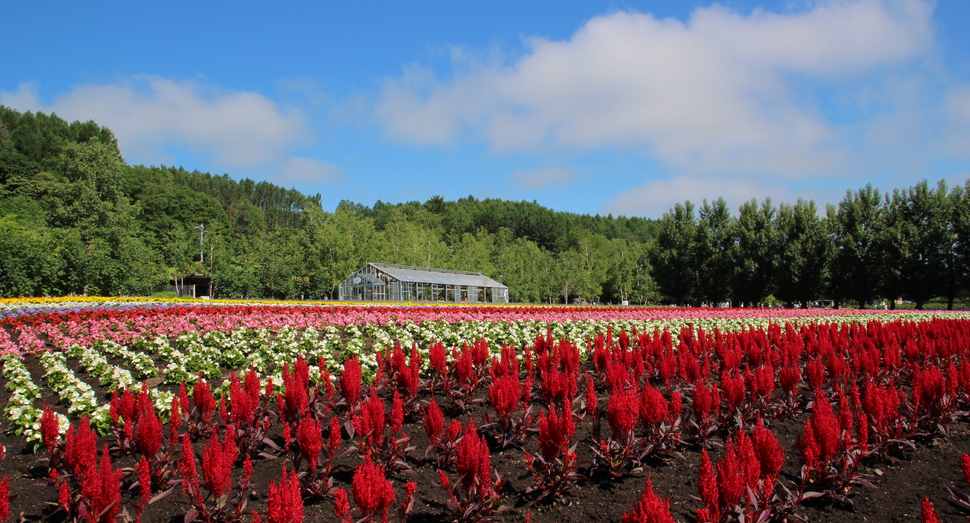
x=437, y=413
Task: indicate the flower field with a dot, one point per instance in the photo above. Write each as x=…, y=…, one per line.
x=242, y=411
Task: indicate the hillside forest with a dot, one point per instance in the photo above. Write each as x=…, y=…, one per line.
x=76, y=219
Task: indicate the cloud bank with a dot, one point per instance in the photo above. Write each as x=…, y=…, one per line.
x=722, y=93
x=153, y=117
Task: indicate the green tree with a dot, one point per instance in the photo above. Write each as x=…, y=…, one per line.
x=753, y=257
x=921, y=242
x=858, y=257
x=675, y=268
x=714, y=246
x=803, y=249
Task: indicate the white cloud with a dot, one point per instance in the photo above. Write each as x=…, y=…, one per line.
x=307, y=171
x=719, y=93
x=958, y=109
x=543, y=178
x=150, y=116
x=658, y=196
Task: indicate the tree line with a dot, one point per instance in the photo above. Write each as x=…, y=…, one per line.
x=76, y=219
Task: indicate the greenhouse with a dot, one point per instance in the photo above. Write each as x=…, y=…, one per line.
x=384, y=282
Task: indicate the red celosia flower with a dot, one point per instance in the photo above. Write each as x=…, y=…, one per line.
x=707, y=485
x=174, y=420
x=149, y=434
x=81, y=449
x=127, y=406
x=373, y=493
x=243, y=404
x=650, y=508
x=5, y=498
x=770, y=454
x=333, y=442
x=555, y=433
x=284, y=504
x=438, y=358
x=621, y=411
x=101, y=490
x=676, y=406
x=809, y=447
x=706, y=399
x=50, y=429
x=732, y=389
x=309, y=436
x=730, y=482
x=144, y=482
x=826, y=427
x=592, y=402
x=296, y=397
x=434, y=421
x=218, y=459
x=183, y=398
x=350, y=381
x=928, y=512
x=464, y=369
x=504, y=394
x=188, y=470
x=341, y=505
x=371, y=420
x=396, y=419
x=748, y=459
x=473, y=464
x=205, y=404
x=653, y=406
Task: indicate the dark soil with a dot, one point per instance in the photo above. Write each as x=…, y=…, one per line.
x=926, y=471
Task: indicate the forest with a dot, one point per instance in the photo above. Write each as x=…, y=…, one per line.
x=75, y=218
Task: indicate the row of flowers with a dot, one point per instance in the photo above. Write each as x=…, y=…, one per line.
x=868, y=392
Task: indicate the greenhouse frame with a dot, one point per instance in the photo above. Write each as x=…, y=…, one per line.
x=385, y=282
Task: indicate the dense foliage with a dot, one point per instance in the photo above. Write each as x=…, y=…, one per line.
x=76, y=219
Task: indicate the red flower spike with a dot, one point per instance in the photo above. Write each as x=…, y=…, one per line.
x=284, y=504
x=333, y=442
x=750, y=465
x=653, y=406
x=621, y=412
x=730, y=482
x=144, y=483
x=396, y=419
x=592, y=402
x=650, y=508
x=50, y=429
x=434, y=421
x=309, y=436
x=149, y=433
x=373, y=493
x=928, y=512
x=770, y=454
x=350, y=381
x=341, y=505
x=218, y=459
x=5, y=498
x=102, y=490
x=473, y=463
x=555, y=433
x=707, y=485
x=81, y=449
x=205, y=404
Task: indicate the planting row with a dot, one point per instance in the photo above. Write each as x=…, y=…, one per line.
x=868, y=393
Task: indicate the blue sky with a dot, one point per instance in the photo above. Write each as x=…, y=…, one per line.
x=622, y=107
